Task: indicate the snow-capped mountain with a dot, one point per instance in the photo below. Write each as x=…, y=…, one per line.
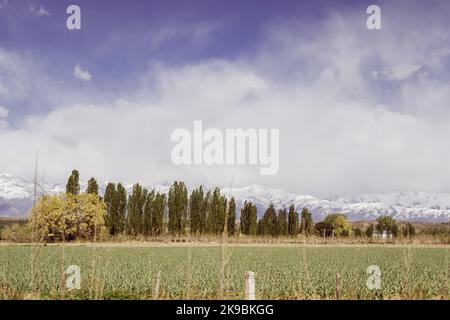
x=407, y=206
x=17, y=194
x=16, y=198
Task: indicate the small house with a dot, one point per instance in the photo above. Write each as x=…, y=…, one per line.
x=382, y=235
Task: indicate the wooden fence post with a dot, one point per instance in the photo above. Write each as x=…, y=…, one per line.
x=250, y=292
x=157, y=284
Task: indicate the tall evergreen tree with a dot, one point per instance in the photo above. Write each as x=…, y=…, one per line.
x=302, y=222
x=369, y=231
x=178, y=207
x=222, y=213
x=292, y=221
x=282, y=223
x=108, y=198
x=231, y=223
x=307, y=224
x=244, y=219
x=73, y=183
x=253, y=220
x=92, y=187
x=159, y=205
x=261, y=226
x=195, y=210
x=148, y=212
x=120, y=204
x=310, y=225
x=248, y=219
x=270, y=221
x=206, y=203
x=136, y=205
x=216, y=214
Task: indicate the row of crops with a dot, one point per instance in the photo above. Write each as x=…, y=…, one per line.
x=289, y=272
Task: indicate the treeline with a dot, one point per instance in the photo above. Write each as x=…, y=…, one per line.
x=152, y=213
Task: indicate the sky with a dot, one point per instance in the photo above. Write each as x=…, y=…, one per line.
x=358, y=110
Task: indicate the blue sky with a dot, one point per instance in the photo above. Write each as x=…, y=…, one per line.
x=358, y=110
x=121, y=39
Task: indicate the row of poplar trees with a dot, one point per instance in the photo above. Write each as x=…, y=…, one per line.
x=275, y=224
x=143, y=212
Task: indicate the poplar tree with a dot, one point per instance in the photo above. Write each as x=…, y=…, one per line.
x=292, y=221
x=310, y=224
x=136, y=204
x=270, y=221
x=307, y=224
x=248, y=220
x=260, y=231
x=369, y=231
x=244, y=219
x=108, y=198
x=195, y=210
x=73, y=183
x=282, y=229
x=204, y=212
x=216, y=214
x=231, y=223
x=148, y=212
x=92, y=187
x=120, y=204
x=178, y=207
x=253, y=220
x=157, y=224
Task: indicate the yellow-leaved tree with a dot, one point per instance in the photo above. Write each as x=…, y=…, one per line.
x=340, y=224
x=68, y=217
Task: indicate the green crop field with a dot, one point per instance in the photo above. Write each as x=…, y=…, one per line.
x=282, y=272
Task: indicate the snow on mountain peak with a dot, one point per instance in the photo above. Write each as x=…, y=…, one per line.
x=16, y=196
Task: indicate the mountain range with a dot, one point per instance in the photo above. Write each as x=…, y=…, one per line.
x=17, y=194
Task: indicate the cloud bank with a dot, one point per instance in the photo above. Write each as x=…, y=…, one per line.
x=81, y=74
x=358, y=111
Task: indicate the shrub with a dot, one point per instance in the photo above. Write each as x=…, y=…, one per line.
x=68, y=216
x=16, y=233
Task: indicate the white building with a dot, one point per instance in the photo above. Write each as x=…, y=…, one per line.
x=383, y=235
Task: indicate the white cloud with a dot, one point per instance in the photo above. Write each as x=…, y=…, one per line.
x=42, y=12
x=81, y=74
x=3, y=125
x=4, y=112
x=198, y=33
x=14, y=75
x=328, y=144
x=442, y=52
x=195, y=35
x=338, y=134
x=3, y=90
x=397, y=73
